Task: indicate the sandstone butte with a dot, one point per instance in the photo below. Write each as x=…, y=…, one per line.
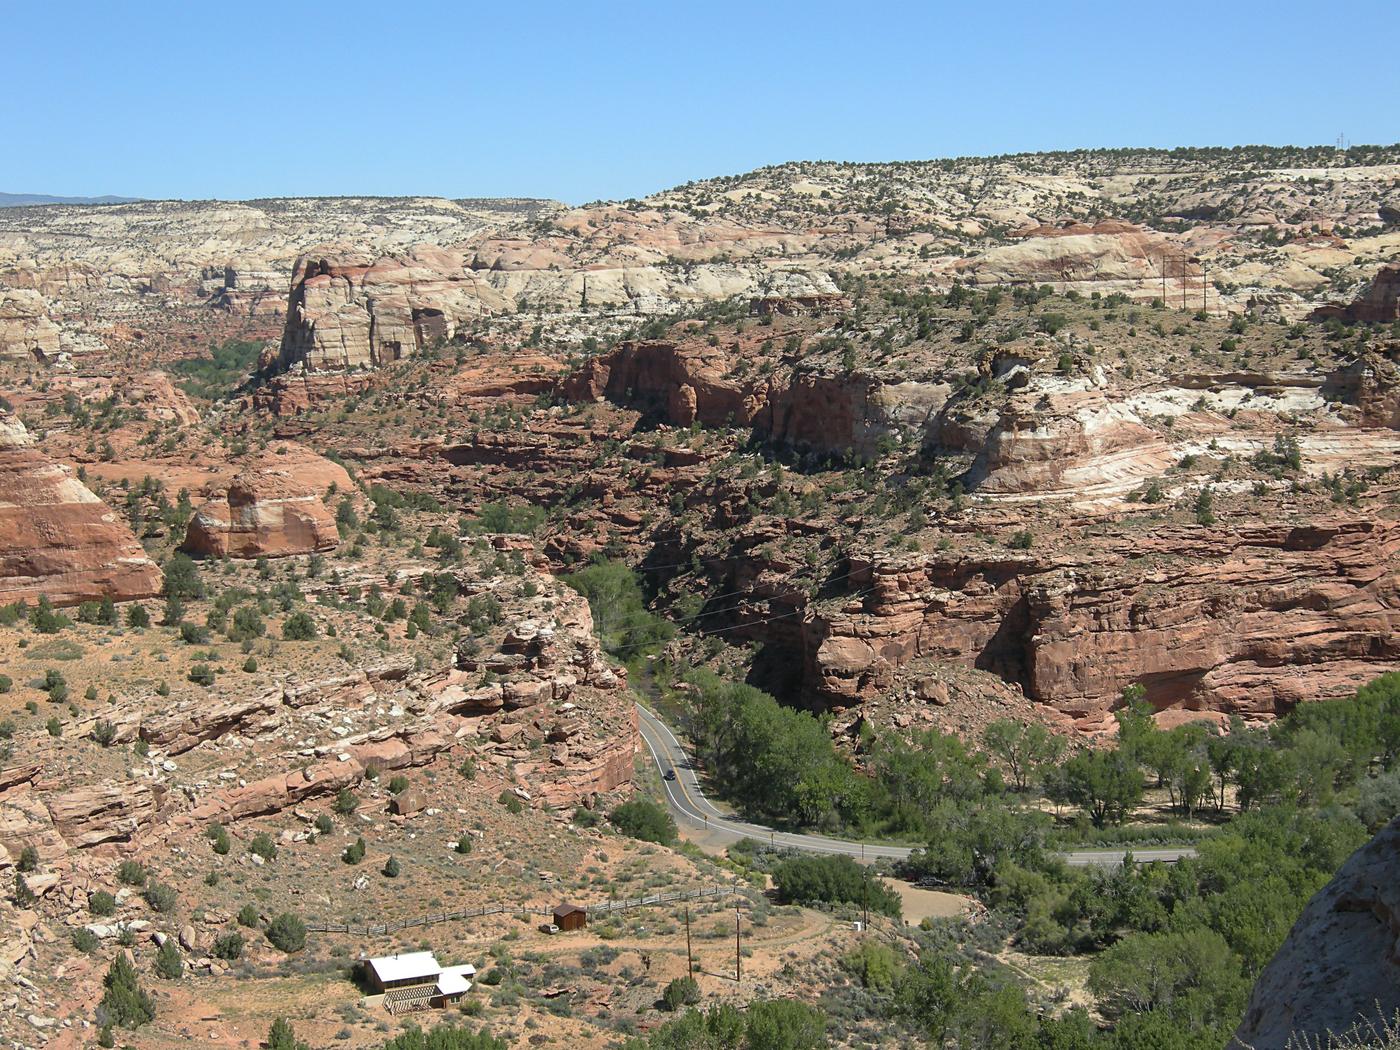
x=274, y=509
x=59, y=540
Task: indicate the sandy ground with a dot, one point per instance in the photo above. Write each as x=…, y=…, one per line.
x=920, y=904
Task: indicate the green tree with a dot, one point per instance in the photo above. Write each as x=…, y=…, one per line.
x=641, y=818
x=169, y=963
x=228, y=946
x=784, y=1024
x=124, y=1002
x=1104, y=784
x=969, y=842
x=182, y=579
x=928, y=996
x=833, y=879
x=281, y=1036
x=681, y=992
x=286, y=932
x=299, y=627
x=1022, y=747
x=1191, y=975
x=620, y=615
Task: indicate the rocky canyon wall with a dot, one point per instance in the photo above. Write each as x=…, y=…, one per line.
x=1247, y=621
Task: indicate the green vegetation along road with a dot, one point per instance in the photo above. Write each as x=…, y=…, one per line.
x=693, y=810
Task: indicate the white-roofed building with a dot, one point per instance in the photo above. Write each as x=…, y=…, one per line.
x=454, y=980
x=417, y=981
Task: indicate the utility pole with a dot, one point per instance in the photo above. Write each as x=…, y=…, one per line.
x=689, y=959
x=865, y=895
x=1164, y=281
x=738, y=955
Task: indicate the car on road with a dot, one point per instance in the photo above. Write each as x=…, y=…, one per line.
x=670, y=774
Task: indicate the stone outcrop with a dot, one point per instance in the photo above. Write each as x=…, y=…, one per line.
x=1371, y=383
x=555, y=689
x=26, y=330
x=276, y=509
x=358, y=312
x=275, y=793
x=1250, y=621
x=107, y=812
x=806, y=408
x=1068, y=440
x=1339, y=968
x=1378, y=304
x=58, y=540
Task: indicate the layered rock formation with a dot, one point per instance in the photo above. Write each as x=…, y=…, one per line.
x=1245, y=621
x=1339, y=969
x=58, y=540
x=1378, y=304
x=358, y=312
x=1371, y=382
x=276, y=509
x=26, y=330
x=1072, y=440
x=558, y=713
x=804, y=407
x=354, y=310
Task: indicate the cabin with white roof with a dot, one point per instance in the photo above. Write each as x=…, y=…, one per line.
x=417, y=981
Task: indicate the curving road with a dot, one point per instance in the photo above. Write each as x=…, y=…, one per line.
x=693, y=810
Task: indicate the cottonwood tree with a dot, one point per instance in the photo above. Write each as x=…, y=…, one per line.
x=1105, y=784
x=1022, y=747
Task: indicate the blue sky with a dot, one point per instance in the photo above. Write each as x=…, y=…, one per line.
x=587, y=100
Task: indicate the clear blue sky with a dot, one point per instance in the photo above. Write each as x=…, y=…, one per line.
x=587, y=100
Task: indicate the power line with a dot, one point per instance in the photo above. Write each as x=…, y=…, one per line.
x=749, y=591
x=742, y=626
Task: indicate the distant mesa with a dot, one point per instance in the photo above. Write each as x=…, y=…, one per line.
x=30, y=200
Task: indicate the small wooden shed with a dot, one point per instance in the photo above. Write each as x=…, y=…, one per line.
x=570, y=917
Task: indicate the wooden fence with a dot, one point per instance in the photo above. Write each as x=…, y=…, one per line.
x=594, y=910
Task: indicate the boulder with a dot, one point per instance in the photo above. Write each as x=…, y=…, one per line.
x=1340, y=965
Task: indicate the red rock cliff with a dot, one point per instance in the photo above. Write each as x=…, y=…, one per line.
x=58, y=540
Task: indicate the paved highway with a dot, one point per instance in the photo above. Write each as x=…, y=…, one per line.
x=693, y=810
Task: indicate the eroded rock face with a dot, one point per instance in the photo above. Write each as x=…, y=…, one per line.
x=26, y=330
x=272, y=510
x=1340, y=965
x=1378, y=304
x=1249, y=621
x=685, y=383
x=109, y=812
x=1074, y=439
x=357, y=312
x=556, y=688
x=1371, y=382
x=58, y=540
